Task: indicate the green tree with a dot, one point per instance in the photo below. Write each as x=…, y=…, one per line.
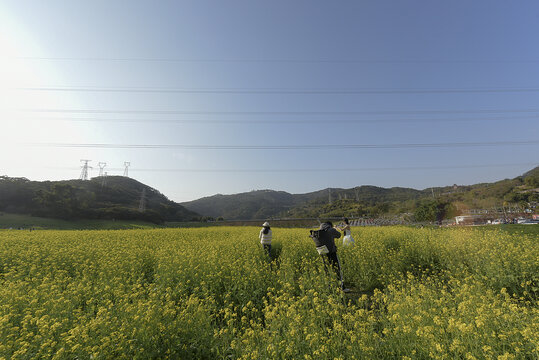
x=532, y=181
x=61, y=201
x=434, y=210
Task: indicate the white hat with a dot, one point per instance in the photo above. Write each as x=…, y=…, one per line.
x=266, y=224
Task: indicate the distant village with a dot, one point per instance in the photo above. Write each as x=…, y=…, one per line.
x=496, y=216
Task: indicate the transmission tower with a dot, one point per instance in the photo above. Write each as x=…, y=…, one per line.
x=142, y=203
x=84, y=172
x=104, y=179
x=126, y=171
x=101, y=167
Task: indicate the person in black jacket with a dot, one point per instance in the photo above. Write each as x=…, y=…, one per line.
x=324, y=239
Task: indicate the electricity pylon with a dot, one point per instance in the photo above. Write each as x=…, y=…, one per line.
x=142, y=203
x=84, y=172
x=104, y=179
x=126, y=170
x=101, y=167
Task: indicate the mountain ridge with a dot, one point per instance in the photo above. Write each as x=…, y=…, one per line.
x=113, y=197
x=366, y=200
x=117, y=197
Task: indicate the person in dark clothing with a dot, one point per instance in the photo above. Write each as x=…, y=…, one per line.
x=324, y=239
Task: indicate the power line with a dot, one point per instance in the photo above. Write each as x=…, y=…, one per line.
x=257, y=91
x=291, y=61
x=296, y=170
x=292, y=113
x=278, y=121
x=286, y=147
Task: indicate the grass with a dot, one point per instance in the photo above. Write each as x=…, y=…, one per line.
x=16, y=221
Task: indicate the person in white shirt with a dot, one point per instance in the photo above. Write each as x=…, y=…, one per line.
x=347, y=240
x=265, y=238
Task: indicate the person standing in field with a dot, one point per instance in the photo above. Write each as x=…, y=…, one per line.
x=347, y=239
x=265, y=238
x=324, y=240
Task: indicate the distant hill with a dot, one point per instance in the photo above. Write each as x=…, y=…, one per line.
x=262, y=204
x=118, y=198
x=251, y=205
x=370, y=201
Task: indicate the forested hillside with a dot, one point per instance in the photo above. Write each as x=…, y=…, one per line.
x=258, y=204
x=118, y=198
x=372, y=201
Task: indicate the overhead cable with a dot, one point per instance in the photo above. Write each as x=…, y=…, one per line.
x=277, y=91
x=299, y=170
x=291, y=113
x=273, y=121
x=285, y=147
x=268, y=60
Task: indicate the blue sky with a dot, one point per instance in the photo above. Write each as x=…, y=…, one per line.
x=382, y=73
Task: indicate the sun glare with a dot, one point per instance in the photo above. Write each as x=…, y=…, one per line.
x=20, y=124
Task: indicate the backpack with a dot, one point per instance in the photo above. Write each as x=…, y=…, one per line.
x=320, y=240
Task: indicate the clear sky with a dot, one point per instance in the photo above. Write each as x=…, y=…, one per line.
x=278, y=81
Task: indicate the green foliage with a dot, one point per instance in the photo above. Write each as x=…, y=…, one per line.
x=16, y=221
x=61, y=200
x=532, y=181
x=265, y=204
x=118, y=199
x=434, y=210
x=366, y=201
x=251, y=205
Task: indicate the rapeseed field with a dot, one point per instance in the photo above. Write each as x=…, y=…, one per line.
x=212, y=293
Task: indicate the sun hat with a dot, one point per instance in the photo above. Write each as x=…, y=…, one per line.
x=265, y=224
